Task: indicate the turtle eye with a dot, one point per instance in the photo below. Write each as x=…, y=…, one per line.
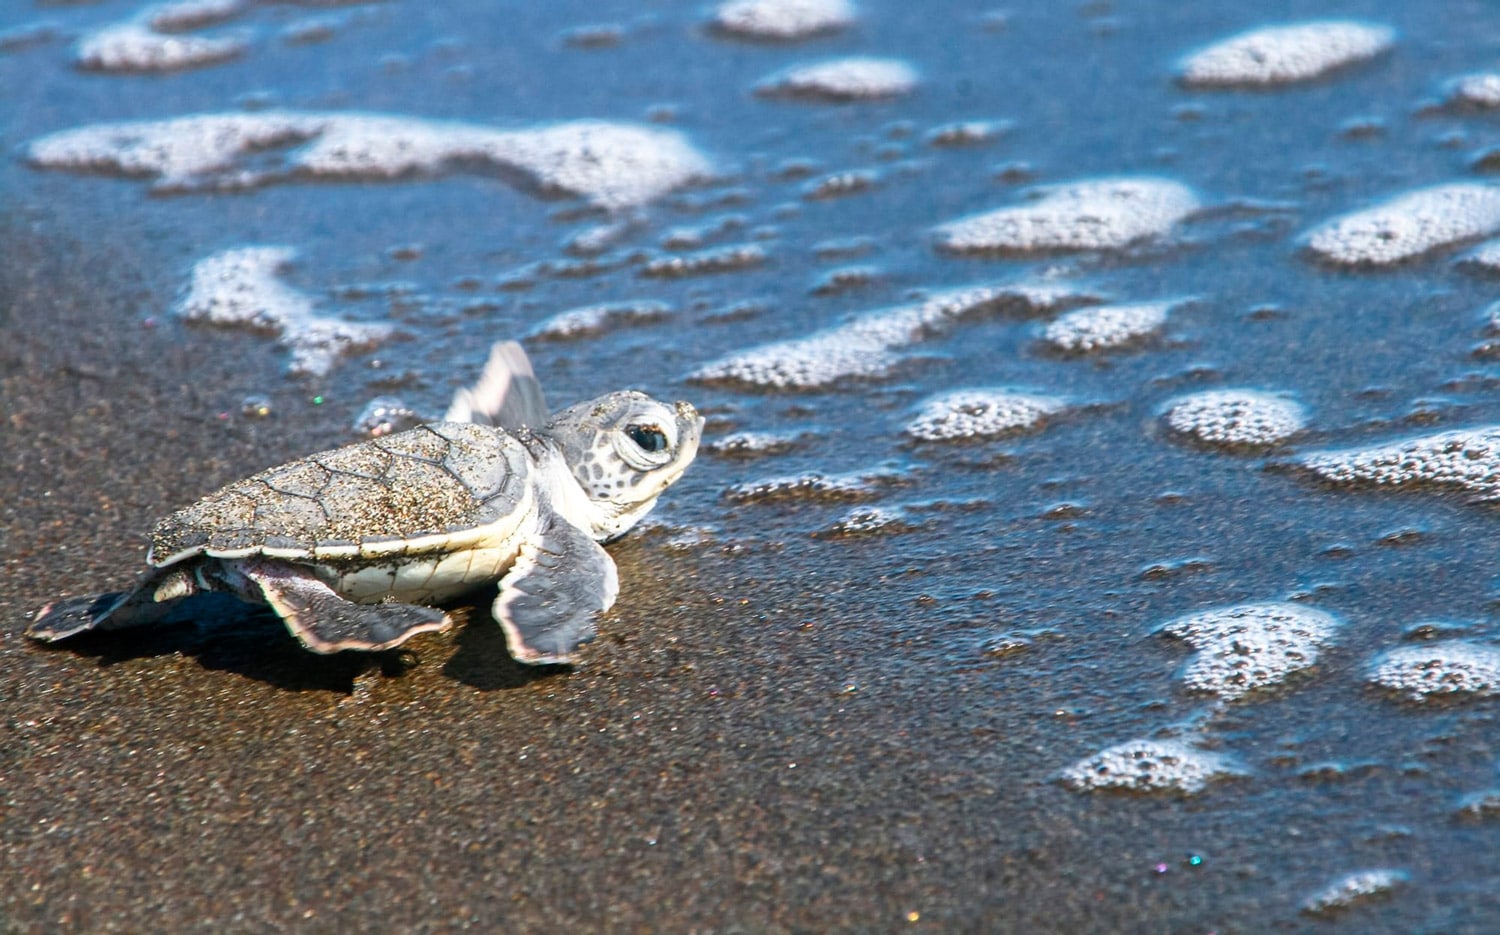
x=647, y=437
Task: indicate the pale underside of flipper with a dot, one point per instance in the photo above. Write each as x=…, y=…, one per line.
x=326, y=623
x=560, y=582
x=507, y=394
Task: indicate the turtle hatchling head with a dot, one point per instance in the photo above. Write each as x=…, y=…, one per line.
x=624, y=449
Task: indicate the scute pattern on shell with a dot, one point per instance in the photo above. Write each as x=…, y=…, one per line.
x=428, y=481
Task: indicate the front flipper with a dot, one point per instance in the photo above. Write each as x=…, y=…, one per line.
x=548, y=600
x=507, y=394
x=326, y=623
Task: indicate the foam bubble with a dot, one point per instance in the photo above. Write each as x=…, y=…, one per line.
x=840, y=184
x=809, y=486
x=1150, y=766
x=752, y=444
x=182, y=15
x=385, y=415
x=1481, y=806
x=967, y=132
x=1248, y=647
x=1485, y=259
x=866, y=347
x=867, y=521
x=136, y=46
x=1409, y=225
x=716, y=260
x=783, y=20
x=1352, y=889
x=980, y=413
x=845, y=79
x=1106, y=326
x=240, y=288
x=1443, y=668
x=1277, y=55
x=1469, y=459
x=596, y=319
x=1098, y=214
x=611, y=164
x=1479, y=91
x=1236, y=417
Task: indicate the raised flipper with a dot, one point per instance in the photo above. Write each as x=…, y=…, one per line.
x=548, y=600
x=145, y=604
x=507, y=395
x=326, y=623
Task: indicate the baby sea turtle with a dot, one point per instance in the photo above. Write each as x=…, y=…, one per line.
x=350, y=547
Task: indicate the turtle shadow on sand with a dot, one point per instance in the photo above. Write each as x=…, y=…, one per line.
x=224, y=634
x=482, y=660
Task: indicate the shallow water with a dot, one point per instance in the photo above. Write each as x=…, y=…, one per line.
x=847, y=704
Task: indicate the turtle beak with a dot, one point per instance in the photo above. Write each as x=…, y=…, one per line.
x=687, y=417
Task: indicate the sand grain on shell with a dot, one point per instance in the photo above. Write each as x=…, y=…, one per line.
x=1409, y=225
x=1097, y=214
x=1279, y=55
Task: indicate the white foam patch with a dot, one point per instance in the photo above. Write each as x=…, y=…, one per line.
x=1236, y=417
x=386, y=415
x=867, y=521
x=783, y=20
x=1150, y=766
x=1469, y=459
x=192, y=14
x=1443, y=668
x=752, y=444
x=135, y=46
x=1097, y=214
x=1248, y=647
x=1409, y=225
x=809, y=486
x=1277, y=55
x=240, y=288
x=613, y=165
x=1480, y=91
x=866, y=347
x=728, y=259
x=980, y=413
x=1352, y=889
x=1485, y=258
x=1106, y=326
x=596, y=319
x=845, y=79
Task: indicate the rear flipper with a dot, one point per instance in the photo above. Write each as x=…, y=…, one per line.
x=326, y=623
x=114, y=611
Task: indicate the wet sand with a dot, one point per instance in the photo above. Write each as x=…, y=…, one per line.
x=734, y=755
